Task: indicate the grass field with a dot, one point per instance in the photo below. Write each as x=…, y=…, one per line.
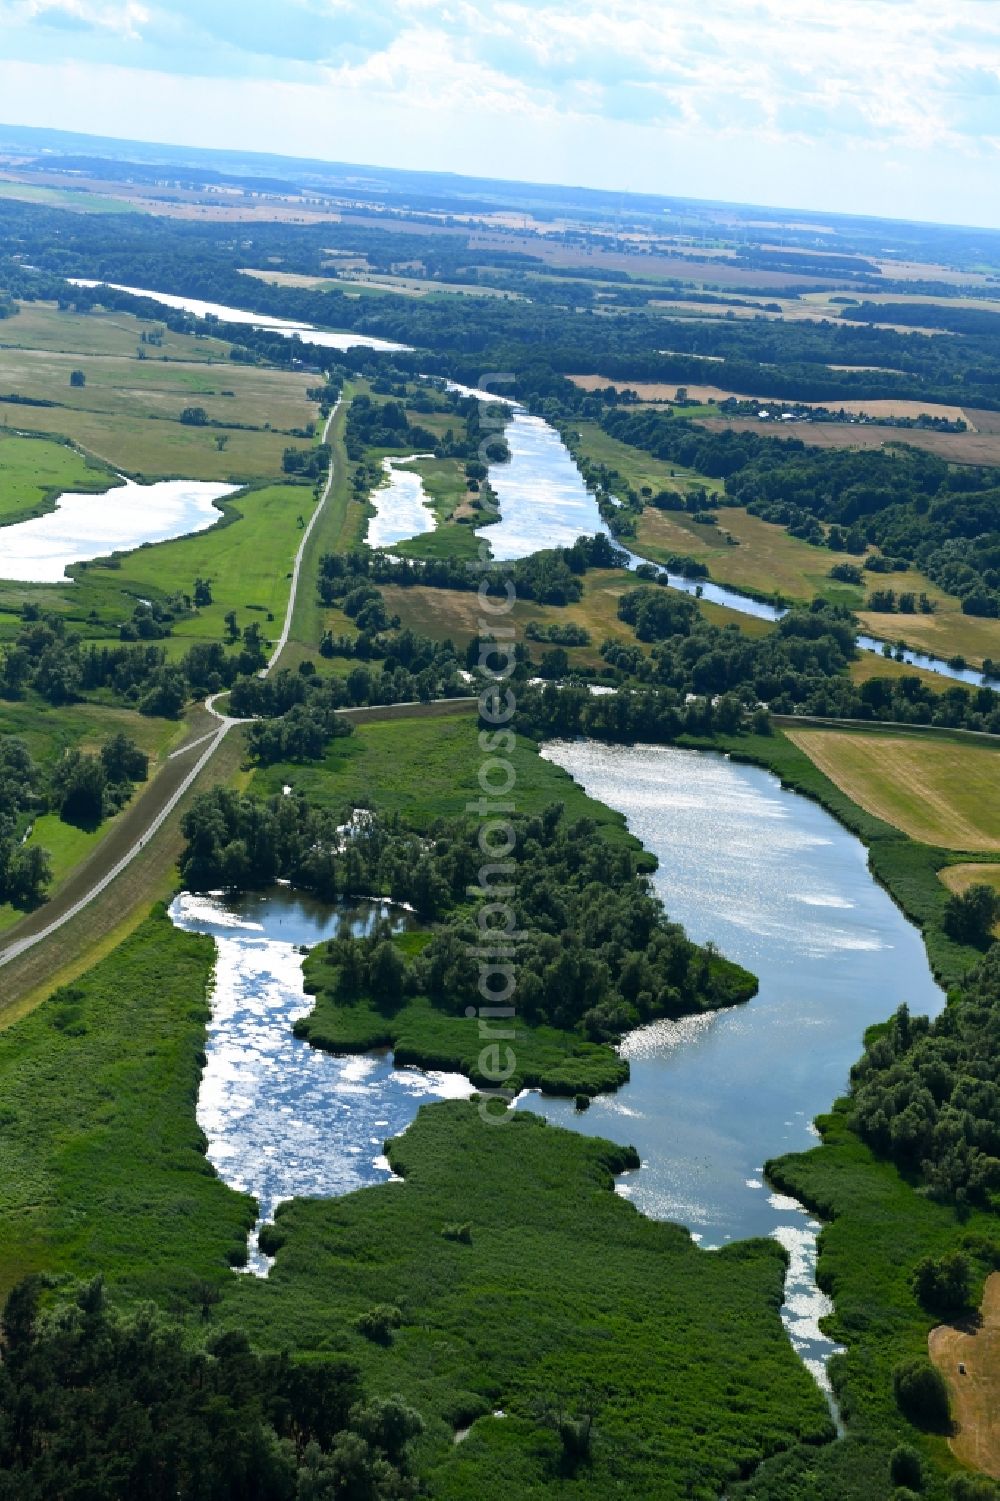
x=975, y=1393
x=939, y=791
x=448, y=495
x=151, y=448
x=41, y=325
x=34, y=472
x=127, y=413
x=455, y=614
x=767, y=558
x=868, y=665
x=425, y=769
x=635, y=466
x=123, y=384
x=101, y=1162
x=47, y=732
x=82, y=202
x=248, y=561
x=341, y=526
x=942, y=634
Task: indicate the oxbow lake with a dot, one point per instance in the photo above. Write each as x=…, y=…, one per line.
x=764, y=873
x=782, y=888
x=401, y=505
x=126, y=516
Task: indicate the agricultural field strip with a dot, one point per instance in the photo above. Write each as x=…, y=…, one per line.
x=933, y=790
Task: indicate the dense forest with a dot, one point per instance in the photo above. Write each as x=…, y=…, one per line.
x=928, y=1093
x=98, y=1404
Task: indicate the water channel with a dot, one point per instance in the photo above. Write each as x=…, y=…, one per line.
x=543, y=499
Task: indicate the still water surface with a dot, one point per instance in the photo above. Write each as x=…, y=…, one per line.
x=782, y=888
x=765, y=873
x=83, y=527
x=284, y=1119
x=543, y=500
x=402, y=508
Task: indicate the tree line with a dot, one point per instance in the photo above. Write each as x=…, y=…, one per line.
x=927, y=1094
x=907, y=503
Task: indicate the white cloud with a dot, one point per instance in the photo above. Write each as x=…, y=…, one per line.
x=124, y=19
x=789, y=101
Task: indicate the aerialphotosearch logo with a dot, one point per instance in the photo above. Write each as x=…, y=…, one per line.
x=495, y=948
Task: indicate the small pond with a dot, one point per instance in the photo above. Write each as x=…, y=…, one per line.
x=402, y=508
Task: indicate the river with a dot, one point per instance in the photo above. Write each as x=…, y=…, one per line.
x=87, y=526
x=326, y=338
x=543, y=499
x=782, y=888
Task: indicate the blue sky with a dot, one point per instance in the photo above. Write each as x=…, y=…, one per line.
x=879, y=106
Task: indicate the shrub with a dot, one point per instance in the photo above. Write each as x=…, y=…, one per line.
x=921, y=1394
x=379, y=1322
x=942, y=1284
x=906, y=1468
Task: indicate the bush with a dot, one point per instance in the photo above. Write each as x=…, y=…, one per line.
x=921, y=1395
x=970, y=915
x=942, y=1284
x=379, y=1322
x=906, y=1468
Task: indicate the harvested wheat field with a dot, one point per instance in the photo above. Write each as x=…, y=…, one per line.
x=939, y=791
x=955, y=448
x=975, y=1392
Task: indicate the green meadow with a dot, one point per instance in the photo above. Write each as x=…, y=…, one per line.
x=247, y=557
x=424, y=769
x=35, y=472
